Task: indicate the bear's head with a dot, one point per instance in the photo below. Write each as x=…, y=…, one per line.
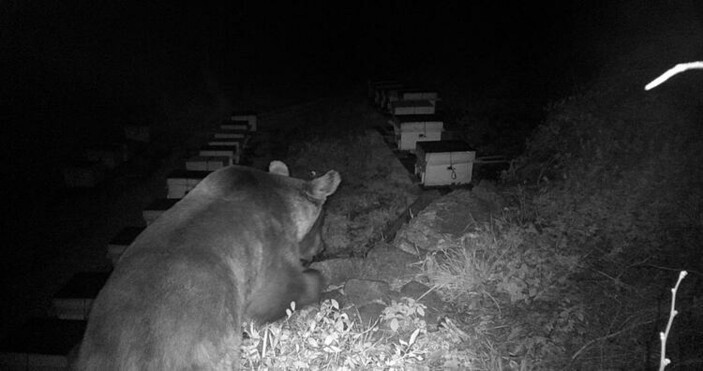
x=307, y=206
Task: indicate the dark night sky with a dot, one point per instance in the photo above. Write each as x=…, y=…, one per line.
x=129, y=52
x=112, y=50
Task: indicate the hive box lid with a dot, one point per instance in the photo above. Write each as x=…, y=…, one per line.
x=83, y=285
x=226, y=142
x=227, y=134
x=51, y=336
x=444, y=152
x=418, y=93
x=197, y=163
x=233, y=125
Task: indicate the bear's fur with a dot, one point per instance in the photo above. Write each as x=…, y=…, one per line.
x=231, y=250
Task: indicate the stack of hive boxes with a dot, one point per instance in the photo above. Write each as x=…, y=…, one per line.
x=418, y=128
x=48, y=343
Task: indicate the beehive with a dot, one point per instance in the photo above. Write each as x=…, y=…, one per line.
x=240, y=125
x=118, y=244
x=180, y=182
x=236, y=143
x=410, y=129
x=41, y=344
x=412, y=107
x=231, y=152
x=249, y=117
x=156, y=208
x=231, y=134
x=75, y=298
x=206, y=163
x=419, y=94
x=413, y=94
x=442, y=163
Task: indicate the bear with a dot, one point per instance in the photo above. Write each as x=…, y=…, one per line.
x=232, y=249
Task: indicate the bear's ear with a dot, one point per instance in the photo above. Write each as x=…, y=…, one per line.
x=325, y=185
x=278, y=167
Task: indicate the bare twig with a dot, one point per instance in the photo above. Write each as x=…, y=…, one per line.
x=663, y=361
x=681, y=67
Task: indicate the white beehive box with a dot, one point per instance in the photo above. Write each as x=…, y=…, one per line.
x=197, y=163
x=156, y=208
x=419, y=94
x=412, y=94
x=41, y=344
x=249, y=117
x=180, y=182
x=226, y=136
x=412, y=107
x=235, y=125
x=83, y=174
x=120, y=243
x=443, y=163
x=137, y=133
x=410, y=129
x=75, y=298
x=231, y=134
x=236, y=143
x=221, y=151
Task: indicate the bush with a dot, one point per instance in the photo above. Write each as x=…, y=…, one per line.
x=616, y=179
x=516, y=277
x=327, y=338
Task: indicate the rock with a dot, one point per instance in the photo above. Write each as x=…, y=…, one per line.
x=384, y=262
x=362, y=292
x=337, y=271
x=447, y=219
